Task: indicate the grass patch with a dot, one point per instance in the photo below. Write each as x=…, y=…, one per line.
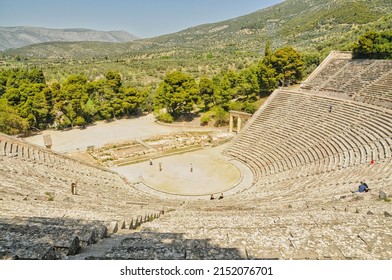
x=50, y=196
x=387, y=199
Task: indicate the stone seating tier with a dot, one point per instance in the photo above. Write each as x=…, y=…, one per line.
x=259, y=233
x=302, y=131
x=362, y=80
x=36, y=182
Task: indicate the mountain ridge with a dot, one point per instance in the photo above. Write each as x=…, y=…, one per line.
x=13, y=37
x=313, y=25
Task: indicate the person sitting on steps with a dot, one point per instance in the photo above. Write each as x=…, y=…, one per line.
x=363, y=187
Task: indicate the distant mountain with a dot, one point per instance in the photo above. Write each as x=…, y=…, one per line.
x=21, y=36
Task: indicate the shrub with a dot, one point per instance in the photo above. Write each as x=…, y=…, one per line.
x=221, y=116
x=80, y=121
x=205, y=119
x=236, y=106
x=166, y=118
x=249, y=107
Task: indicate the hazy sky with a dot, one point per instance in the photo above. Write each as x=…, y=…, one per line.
x=143, y=18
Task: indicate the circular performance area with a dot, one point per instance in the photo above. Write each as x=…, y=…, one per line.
x=191, y=174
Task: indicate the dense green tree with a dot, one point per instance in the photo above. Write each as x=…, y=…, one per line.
x=77, y=101
x=266, y=73
x=288, y=65
x=113, y=99
x=283, y=67
x=70, y=100
x=112, y=96
x=90, y=109
x=33, y=104
x=267, y=49
x=374, y=45
x=80, y=121
x=178, y=93
x=12, y=95
x=3, y=82
x=146, y=97
x=113, y=80
x=311, y=62
x=267, y=77
x=36, y=76
x=26, y=91
x=131, y=100
x=74, y=101
x=10, y=121
x=248, y=86
x=99, y=100
x=206, y=91
x=225, y=84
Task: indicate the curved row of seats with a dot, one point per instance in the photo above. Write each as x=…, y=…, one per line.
x=36, y=184
x=361, y=80
x=307, y=217
x=284, y=224
x=322, y=133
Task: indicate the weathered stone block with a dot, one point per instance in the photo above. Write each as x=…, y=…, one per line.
x=112, y=227
x=36, y=252
x=101, y=231
x=382, y=195
x=87, y=237
x=68, y=246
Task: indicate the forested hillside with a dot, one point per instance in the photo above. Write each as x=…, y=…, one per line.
x=313, y=27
